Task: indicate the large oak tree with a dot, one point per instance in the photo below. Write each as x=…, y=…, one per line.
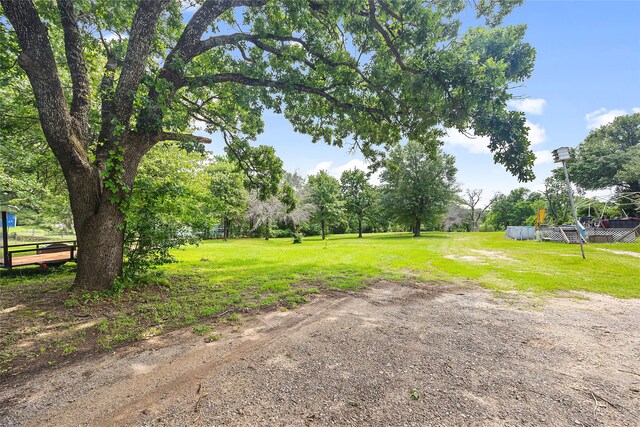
x=418, y=185
x=610, y=157
x=368, y=71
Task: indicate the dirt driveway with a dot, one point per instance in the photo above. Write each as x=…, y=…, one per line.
x=394, y=355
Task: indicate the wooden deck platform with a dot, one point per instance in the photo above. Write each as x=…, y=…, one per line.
x=43, y=254
x=39, y=259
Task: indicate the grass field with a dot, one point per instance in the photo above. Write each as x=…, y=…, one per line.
x=42, y=320
x=344, y=261
x=24, y=234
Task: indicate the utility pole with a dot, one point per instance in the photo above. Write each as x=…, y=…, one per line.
x=562, y=155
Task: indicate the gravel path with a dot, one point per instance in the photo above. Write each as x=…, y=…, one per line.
x=394, y=355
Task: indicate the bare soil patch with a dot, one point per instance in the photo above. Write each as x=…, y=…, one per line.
x=634, y=254
x=393, y=355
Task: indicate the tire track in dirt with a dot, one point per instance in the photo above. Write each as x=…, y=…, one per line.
x=186, y=376
x=394, y=354
x=188, y=371
x=147, y=390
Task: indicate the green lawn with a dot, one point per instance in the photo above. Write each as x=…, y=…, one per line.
x=344, y=261
x=27, y=233
x=44, y=321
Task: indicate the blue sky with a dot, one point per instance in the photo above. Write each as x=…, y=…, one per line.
x=587, y=72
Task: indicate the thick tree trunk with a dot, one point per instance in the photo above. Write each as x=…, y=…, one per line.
x=101, y=245
x=416, y=229
x=322, y=225
x=266, y=232
x=99, y=223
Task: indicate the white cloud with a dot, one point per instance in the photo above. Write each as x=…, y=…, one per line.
x=336, y=171
x=602, y=195
x=109, y=36
x=538, y=187
x=543, y=157
x=374, y=179
x=537, y=134
x=480, y=144
x=636, y=110
x=322, y=166
x=475, y=144
x=350, y=165
x=529, y=105
x=198, y=124
x=601, y=117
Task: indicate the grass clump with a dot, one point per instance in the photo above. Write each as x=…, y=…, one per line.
x=201, y=329
x=212, y=338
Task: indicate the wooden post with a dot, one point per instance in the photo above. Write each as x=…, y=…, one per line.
x=564, y=236
x=5, y=241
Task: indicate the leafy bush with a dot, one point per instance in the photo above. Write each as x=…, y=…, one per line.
x=279, y=233
x=166, y=205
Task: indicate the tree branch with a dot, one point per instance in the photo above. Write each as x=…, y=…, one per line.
x=184, y=51
x=39, y=63
x=242, y=160
x=393, y=14
x=229, y=137
x=142, y=31
x=106, y=94
x=81, y=102
x=250, y=81
x=221, y=40
x=388, y=41
x=96, y=20
x=243, y=53
x=171, y=136
x=189, y=44
x=353, y=65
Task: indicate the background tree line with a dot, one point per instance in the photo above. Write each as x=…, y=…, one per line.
x=182, y=194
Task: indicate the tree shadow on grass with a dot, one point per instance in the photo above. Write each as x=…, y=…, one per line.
x=408, y=236
x=28, y=272
x=403, y=236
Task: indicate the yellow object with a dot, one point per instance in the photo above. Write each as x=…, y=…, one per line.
x=540, y=217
